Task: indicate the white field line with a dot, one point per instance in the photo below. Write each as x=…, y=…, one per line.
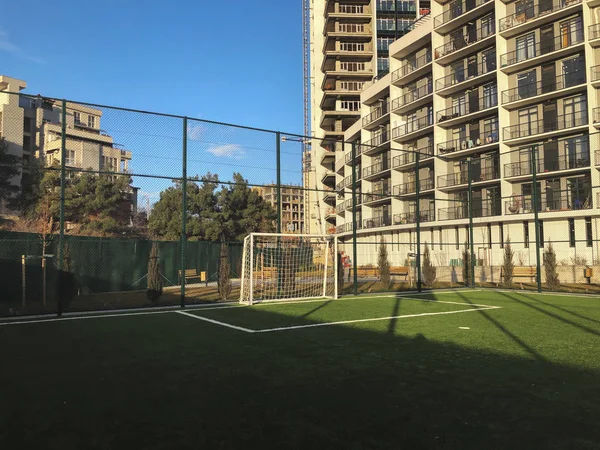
x=97, y=316
x=216, y=322
x=556, y=294
x=325, y=324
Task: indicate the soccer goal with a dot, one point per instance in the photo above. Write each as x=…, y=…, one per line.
x=288, y=266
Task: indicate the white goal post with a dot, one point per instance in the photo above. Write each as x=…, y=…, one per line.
x=280, y=266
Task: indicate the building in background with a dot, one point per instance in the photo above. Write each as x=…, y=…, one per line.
x=292, y=205
x=349, y=47
x=511, y=87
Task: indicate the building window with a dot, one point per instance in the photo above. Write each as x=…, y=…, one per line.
x=541, y=230
x=27, y=125
x=92, y=121
x=410, y=240
x=528, y=121
x=588, y=231
x=526, y=234
x=456, y=232
x=70, y=160
x=571, y=232
x=489, y=233
x=77, y=117
x=441, y=241
x=501, y=227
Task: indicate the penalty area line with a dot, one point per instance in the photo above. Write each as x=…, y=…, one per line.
x=215, y=322
x=406, y=316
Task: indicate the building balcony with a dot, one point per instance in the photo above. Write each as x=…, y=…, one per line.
x=597, y=157
x=377, y=196
x=328, y=177
x=347, y=227
x=348, y=11
x=377, y=169
x=468, y=43
x=330, y=214
x=344, y=183
x=549, y=200
x=348, y=205
x=596, y=116
x=474, y=74
x=412, y=70
x=413, y=99
x=407, y=160
x=376, y=144
x=377, y=222
x=537, y=127
x=348, y=156
x=411, y=217
x=562, y=163
x=456, y=148
x=410, y=188
x=450, y=117
x=532, y=92
x=459, y=13
x=412, y=129
x=329, y=196
x=462, y=178
x=545, y=11
x=377, y=117
x=595, y=76
x=461, y=211
x=594, y=35
x=537, y=53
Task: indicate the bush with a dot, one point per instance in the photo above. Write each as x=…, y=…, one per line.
x=155, y=287
x=224, y=281
x=508, y=265
x=429, y=272
x=384, y=265
x=466, y=268
x=552, y=280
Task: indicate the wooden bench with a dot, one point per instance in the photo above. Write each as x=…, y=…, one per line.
x=189, y=274
x=400, y=270
x=373, y=272
x=520, y=272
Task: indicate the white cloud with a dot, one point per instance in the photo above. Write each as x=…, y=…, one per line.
x=7, y=45
x=233, y=151
x=195, y=132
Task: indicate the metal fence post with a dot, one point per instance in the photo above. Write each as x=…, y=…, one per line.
x=184, y=212
x=63, y=183
x=418, y=220
x=354, y=222
x=534, y=199
x=278, y=148
x=471, y=243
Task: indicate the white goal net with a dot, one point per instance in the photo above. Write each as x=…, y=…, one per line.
x=288, y=266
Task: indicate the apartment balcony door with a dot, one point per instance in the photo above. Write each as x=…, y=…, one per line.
x=545, y=5
x=551, y=162
x=488, y=60
x=474, y=131
x=474, y=100
x=577, y=151
x=547, y=39
x=580, y=190
x=472, y=31
x=525, y=47
x=477, y=204
x=459, y=105
x=524, y=10
x=526, y=84
x=575, y=110
x=527, y=190
x=475, y=170
x=550, y=116
x=548, y=77
x=469, y=5
x=571, y=31
x=472, y=66
x=458, y=70
x=552, y=194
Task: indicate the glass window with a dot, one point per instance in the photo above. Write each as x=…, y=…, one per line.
x=575, y=111
x=490, y=95
x=525, y=47
x=588, y=231
x=526, y=234
x=571, y=232
x=528, y=121
x=526, y=84
x=501, y=231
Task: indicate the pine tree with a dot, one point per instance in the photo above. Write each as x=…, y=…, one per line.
x=466, y=268
x=383, y=265
x=429, y=271
x=224, y=281
x=552, y=280
x=155, y=288
x=508, y=266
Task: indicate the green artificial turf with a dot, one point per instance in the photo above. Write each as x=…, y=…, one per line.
x=526, y=376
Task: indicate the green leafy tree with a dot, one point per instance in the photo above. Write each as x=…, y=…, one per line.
x=155, y=287
x=466, y=268
x=552, y=280
x=508, y=265
x=10, y=167
x=383, y=264
x=224, y=281
x=429, y=271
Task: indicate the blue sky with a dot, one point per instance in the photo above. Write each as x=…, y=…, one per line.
x=237, y=62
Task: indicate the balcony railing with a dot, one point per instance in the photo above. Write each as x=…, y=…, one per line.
x=377, y=168
x=462, y=75
x=594, y=31
x=411, y=187
x=541, y=48
x=467, y=108
x=376, y=222
x=381, y=111
x=542, y=87
x=549, y=200
x=485, y=209
x=412, y=96
x=565, y=162
x=411, y=217
x=412, y=126
x=377, y=194
x=596, y=112
x=375, y=141
x=598, y=157
x=465, y=40
x=545, y=125
x=535, y=11
x=595, y=73
x=410, y=156
x=462, y=177
x=453, y=145
x=411, y=66
x=456, y=9
x=357, y=151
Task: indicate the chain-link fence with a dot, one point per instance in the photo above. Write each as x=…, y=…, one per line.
x=87, y=190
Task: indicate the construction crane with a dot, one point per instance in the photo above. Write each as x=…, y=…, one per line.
x=306, y=143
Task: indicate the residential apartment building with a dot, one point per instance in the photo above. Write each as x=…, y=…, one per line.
x=32, y=128
x=349, y=47
x=487, y=92
x=292, y=205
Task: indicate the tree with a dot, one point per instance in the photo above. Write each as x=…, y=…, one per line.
x=9, y=168
x=223, y=281
x=383, y=265
x=466, y=269
x=552, y=280
x=429, y=271
x=67, y=284
x=155, y=287
x=508, y=266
